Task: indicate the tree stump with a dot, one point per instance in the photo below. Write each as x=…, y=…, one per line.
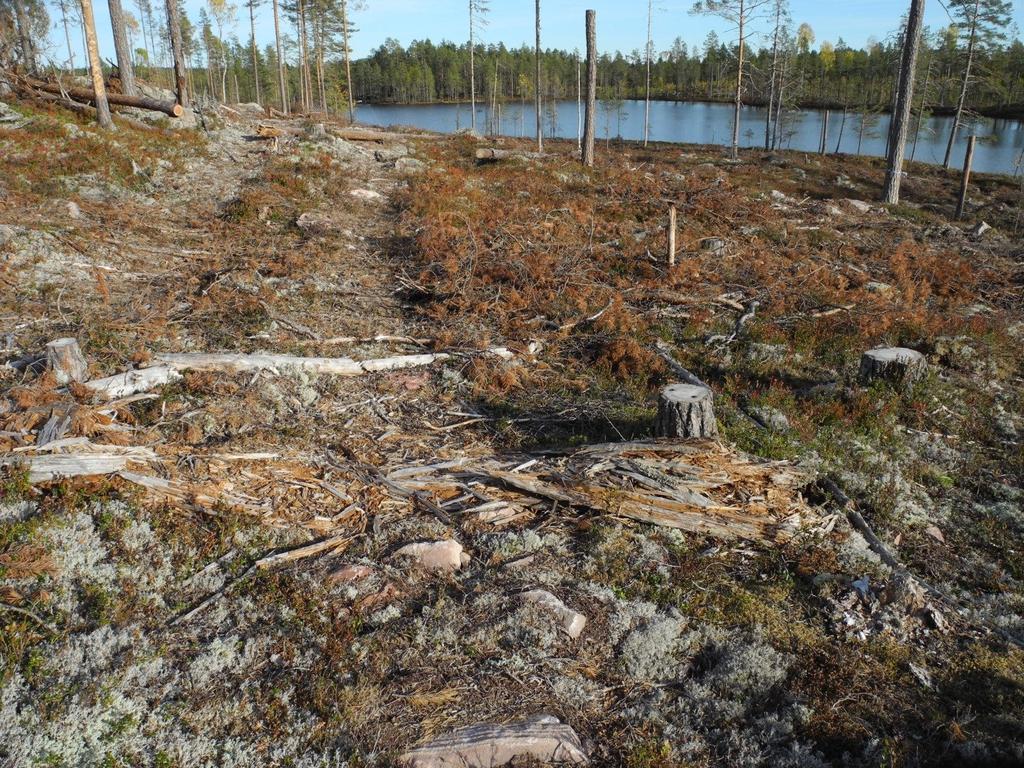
x=65, y=359
x=898, y=365
x=686, y=410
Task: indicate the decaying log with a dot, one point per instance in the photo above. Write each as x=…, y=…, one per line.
x=491, y=155
x=88, y=461
x=64, y=357
x=898, y=365
x=686, y=410
x=132, y=382
x=85, y=95
x=543, y=739
x=332, y=366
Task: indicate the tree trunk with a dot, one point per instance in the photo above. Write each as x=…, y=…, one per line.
x=590, y=119
x=964, y=86
x=93, y=49
x=348, y=63
x=647, y=95
x=255, y=58
x=28, y=52
x=774, y=75
x=894, y=364
x=739, y=87
x=123, y=51
x=280, y=60
x=177, y=51
x=536, y=88
x=904, y=102
x=965, y=179
x=119, y=99
x=67, y=35
x=472, y=73
x=920, y=111
x=685, y=410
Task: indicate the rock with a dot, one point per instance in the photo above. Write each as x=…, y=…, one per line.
x=980, y=230
x=543, y=738
x=349, y=574
x=685, y=410
x=844, y=181
x=858, y=205
x=771, y=419
x=410, y=165
x=782, y=198
x=74, y=212
x=366, y=194
x=313, y=224
x=435, y=555
x=572, y=622
x=896, y=364
x=391, y=154
x=873, y=286
x=317, y=132
x=715, y=245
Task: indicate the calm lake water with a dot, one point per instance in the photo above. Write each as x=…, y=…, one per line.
x=999, y=149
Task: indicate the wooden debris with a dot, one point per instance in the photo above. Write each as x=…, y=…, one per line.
x=895, y=364
x=491, y=155
x=544, y=739
x=698, y=486
x=64, y=357
x=334, y=366
x=132, y=382
x=42, y=469
x=87, y=96
x=686, y=410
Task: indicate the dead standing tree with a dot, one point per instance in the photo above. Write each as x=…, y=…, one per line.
x=904, y=102
x=590, y=120
x=741, y=13
x=536, y=87
x=477, y=19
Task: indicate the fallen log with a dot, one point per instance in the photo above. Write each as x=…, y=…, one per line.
x=334, y=366
x=491, y=155
x=85, y=95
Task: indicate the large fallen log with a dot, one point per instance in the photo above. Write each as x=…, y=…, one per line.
x=86, y=96
x=335, y=366
x=132, y=382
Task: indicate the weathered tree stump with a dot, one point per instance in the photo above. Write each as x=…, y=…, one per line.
x=65, y=359
x=686, y=410
x=898, y=365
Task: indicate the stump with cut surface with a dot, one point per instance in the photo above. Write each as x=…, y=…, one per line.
x=898, y=365
x=65, y=359
x=686, y=410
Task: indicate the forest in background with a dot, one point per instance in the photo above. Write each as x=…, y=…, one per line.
x=225, y=63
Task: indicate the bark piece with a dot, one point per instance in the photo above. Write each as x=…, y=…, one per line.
x=543, y=738
x=571, y=622
x=686, y=410
x=435, y=555
x=64, y=357
x=896, y=364
x=132, y=382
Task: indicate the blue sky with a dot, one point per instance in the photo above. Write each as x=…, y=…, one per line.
x=621, y=25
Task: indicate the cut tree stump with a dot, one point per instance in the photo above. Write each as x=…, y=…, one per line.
x=64, y=357
x=898, y=365
x=686, y=410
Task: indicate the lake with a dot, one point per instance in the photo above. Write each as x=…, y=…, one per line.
x=999, y=149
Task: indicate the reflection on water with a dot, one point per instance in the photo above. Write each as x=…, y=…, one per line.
x=1000, y=142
